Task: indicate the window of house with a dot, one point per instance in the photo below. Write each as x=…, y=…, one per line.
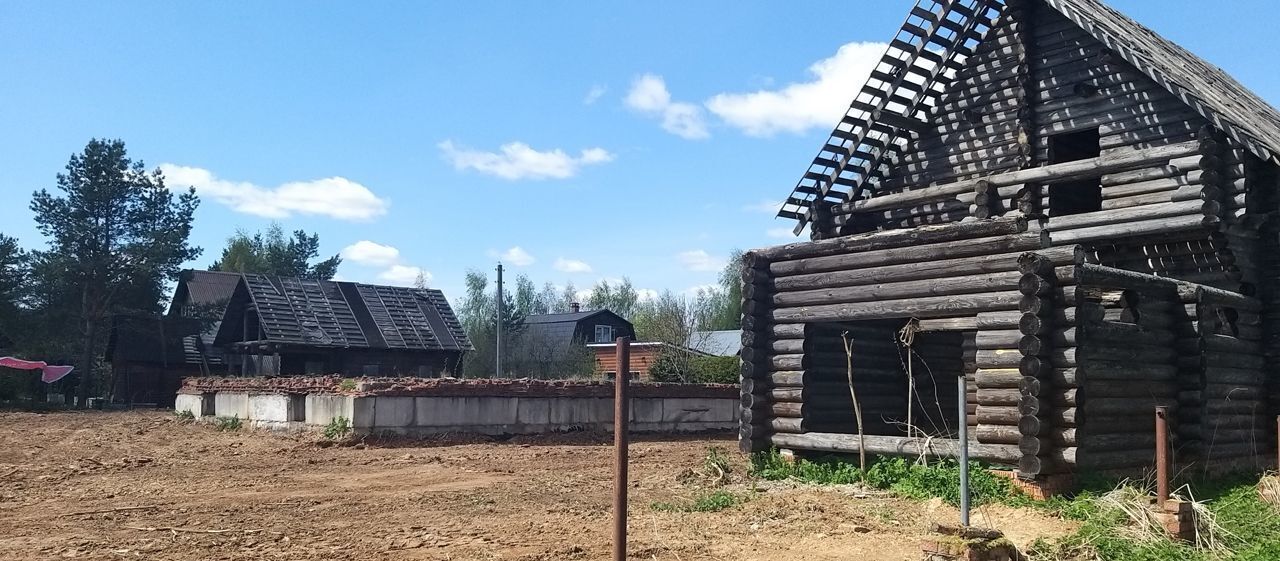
x=604, y=333
x=1080, y=196
x=370, y=370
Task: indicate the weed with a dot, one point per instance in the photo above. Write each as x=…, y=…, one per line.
x=231, y=423
x=185, y=415
x=716, y=465
x=348, y=384
x=714, y=501
x=908, y=479
x=337, y=428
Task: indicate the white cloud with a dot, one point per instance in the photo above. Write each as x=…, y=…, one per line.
x=516, y=160
x=764, y=207
x=335, y=197
x=366, y=252
x=646, y=294
x=594, y=94
x=403, y=275
x=800, y=106
x=781, y=233
x=649, y=95
x=515, y=256
x=571, y=266
x=700, y=260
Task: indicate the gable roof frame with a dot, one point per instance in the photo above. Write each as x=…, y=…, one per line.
x=1203, y=87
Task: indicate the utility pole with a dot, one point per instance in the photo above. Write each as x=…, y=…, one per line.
x=498, y=339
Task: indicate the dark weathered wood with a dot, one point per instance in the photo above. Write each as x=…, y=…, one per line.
x=941, y=306
x=892, y=256
x=894, y=239
x=895, y=446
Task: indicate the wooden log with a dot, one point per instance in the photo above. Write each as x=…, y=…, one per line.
x=894, y=239
x=1044, y=174
x=1177, y=224
x=998, y=377
x=893, y=256
x=895, y=446
x=986, y=282
x=940, y=306
x=997, y=434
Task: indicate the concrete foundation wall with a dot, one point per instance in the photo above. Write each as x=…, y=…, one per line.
x=410, y=415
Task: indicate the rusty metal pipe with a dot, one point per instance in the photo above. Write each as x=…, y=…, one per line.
x=621, y=416
x=1162, y=455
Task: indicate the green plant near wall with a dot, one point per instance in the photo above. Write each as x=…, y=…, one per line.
x=231, y=423
x=338, y=428
x=185, y=415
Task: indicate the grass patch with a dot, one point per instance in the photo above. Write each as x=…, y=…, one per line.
x=231, y=423
x=939, y=478
x=347, y=384
x=1246, y=527
x=714, y=501
x=338, y=428
x=185, y=415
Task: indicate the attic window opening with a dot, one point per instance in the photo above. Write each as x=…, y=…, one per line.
x=1083, y=195
x=604, y=333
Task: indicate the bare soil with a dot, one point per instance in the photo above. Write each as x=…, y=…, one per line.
x=144, y=485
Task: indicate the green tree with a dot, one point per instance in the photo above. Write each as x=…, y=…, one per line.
x=620, y=298
x=13, y=274
x=272, y=253
x=478, y=313
x=117, y=234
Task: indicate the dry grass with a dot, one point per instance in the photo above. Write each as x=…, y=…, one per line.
x=1269, y=490
x=1137, y=504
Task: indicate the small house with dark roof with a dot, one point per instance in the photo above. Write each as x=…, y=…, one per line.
x=150, y=354
x=555, y=345
x=279, y=325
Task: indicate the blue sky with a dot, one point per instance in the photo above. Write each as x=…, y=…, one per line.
x=603, y=140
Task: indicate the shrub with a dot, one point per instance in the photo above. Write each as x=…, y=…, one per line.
x=337, y=428
x=347, y=384
x=185, y=415
x=227, y=423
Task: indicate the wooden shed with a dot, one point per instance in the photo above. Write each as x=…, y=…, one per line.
x=1073, y=213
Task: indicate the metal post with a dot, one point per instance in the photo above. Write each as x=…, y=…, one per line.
x=621, y=416
x=497, y=346
x=1162, y=455
x=963, y=435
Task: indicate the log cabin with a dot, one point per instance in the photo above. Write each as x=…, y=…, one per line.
x=1050, y=201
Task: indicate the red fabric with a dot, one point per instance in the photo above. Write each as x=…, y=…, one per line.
x=48, y=374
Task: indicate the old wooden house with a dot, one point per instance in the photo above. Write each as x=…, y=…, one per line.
x=278, y=325
x=150, y=354
x=1051, y=200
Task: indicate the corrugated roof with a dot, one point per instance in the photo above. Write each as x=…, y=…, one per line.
x=320, y=313
x=719, y=343
x=209, y=287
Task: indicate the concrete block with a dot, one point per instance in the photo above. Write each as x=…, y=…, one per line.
x=228, y=404
x=393, y=412
x=646, y=410
x=703, y=410
x=581, y=411
x=323, y=409
x=362, y=412
x=533, y=410
x=189, y=402
x=270, y=408
x=436, y=411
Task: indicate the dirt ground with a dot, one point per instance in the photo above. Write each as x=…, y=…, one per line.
x=187, y=491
